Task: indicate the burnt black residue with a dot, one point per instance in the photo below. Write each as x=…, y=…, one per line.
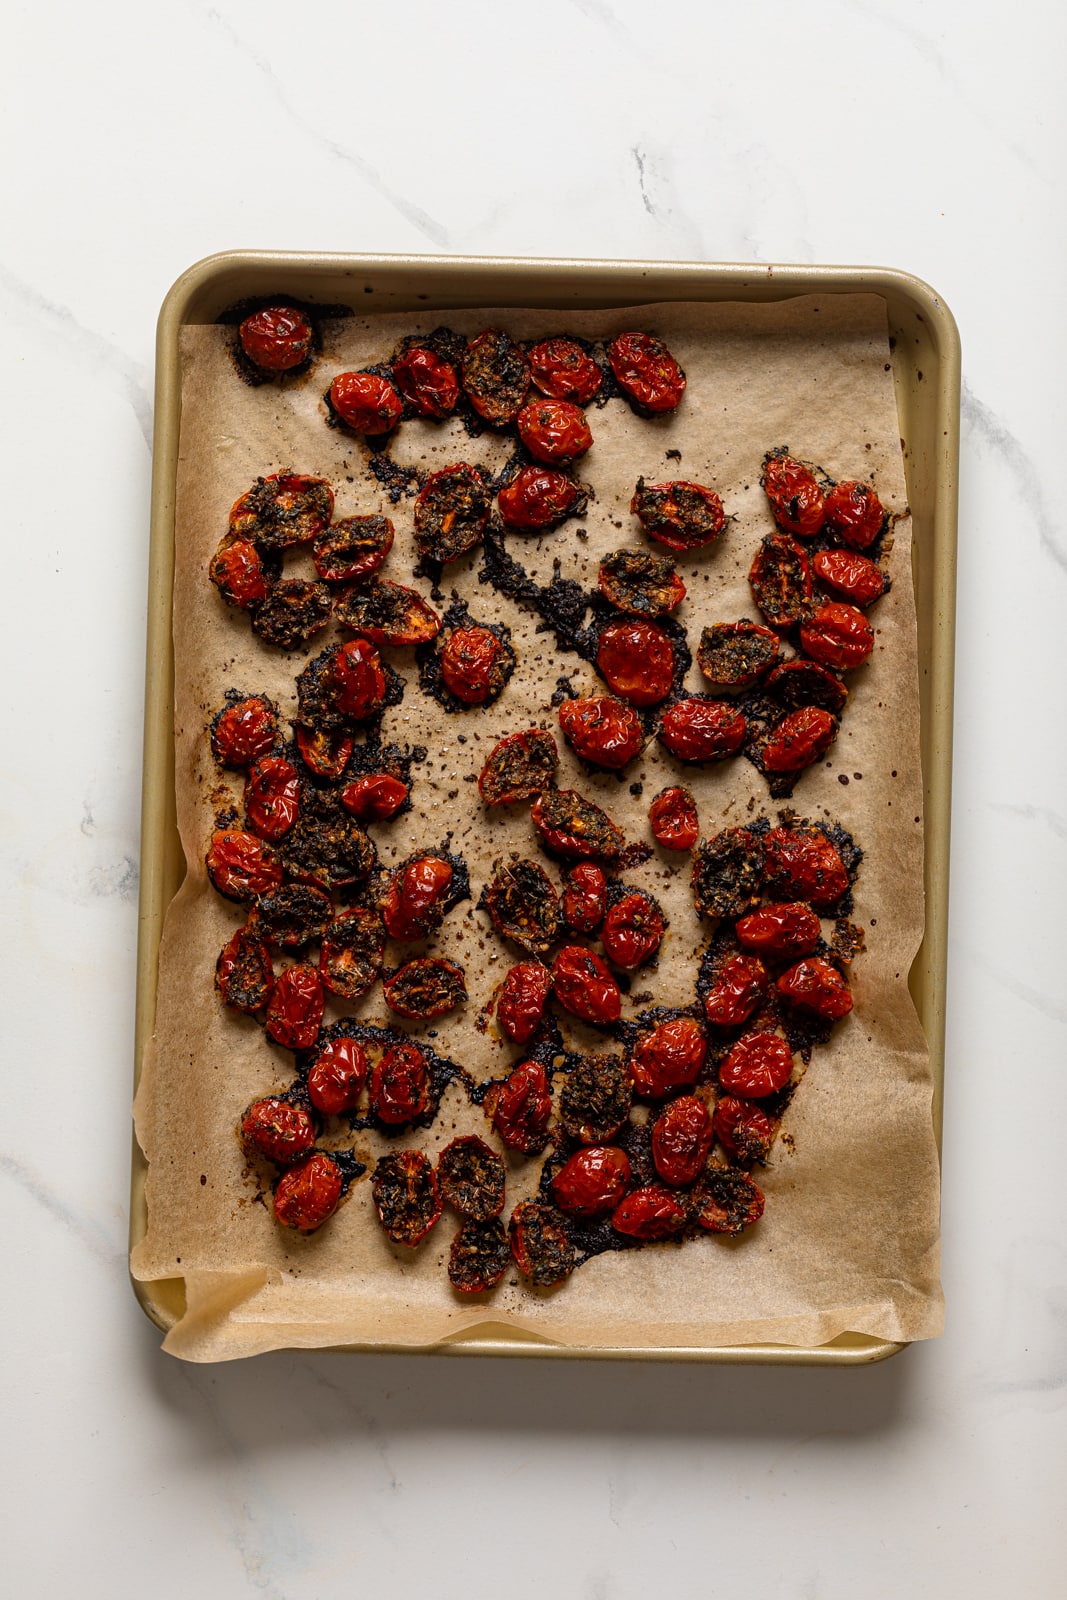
x=564, y=690
x=397, y=481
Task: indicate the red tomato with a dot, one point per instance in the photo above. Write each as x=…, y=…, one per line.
x=837, y=636
x=728, y=1200
x=780, y=576
x=521, y=1106
x=243, y=731
x=646, y=372
x=374, y=798
x=278, y=1129
x=539, y=1243
x=539, y=497
x=803, y=864
x=411, y=908
x=468, y=661
x=584, y=986
x=739, y=986
x=858, y=579
x=242, y=866
x=637, y=660
x=244, y=974
x=272, y=797
x=759, y=1064
x=337, y=1077
x=522, y=1001
x=294, y=1015
x=585, y=897
x=854, y=512
x=681, y=1139
x=669, y=1057
x=702, y=730
x=571, y=825
x=365, y=402
x=496, y=376
x=561, y=369
x=816, y=986
x=400, y=1085
x=554, y=431
x=359, y=679
x=428, y=384
x=277, y=338
x=796, y=499
x=683, y=516
x=602, y=730
x=791, y=929
x=798, y=740
x=592, y=1182
x=325, y=751
x=650, y=1213
x=673, y=819
x=745, y=1132
x=309, y=1193
x=237, y=571
x=632, y=931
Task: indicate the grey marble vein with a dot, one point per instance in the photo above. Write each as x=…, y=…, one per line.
x=82, y=1227
x=1044, y=814
x=597, y=11
x=372, y=1429
x=85, y=343
x=660, y=199
x=1025, y=474
x=1025, y=992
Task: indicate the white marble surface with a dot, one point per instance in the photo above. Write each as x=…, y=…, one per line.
x=923, y=135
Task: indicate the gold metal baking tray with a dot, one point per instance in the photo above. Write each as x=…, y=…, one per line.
x=926, y=371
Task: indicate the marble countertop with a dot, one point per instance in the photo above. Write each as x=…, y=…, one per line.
x=915, y=135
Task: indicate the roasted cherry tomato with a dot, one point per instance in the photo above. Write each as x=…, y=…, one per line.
x=636, y=660
x=727, y=1200
x=649, y=1213
x=780, y=577
x=539, y=497
x=837, y=636
x=861, y=581
x=412, y=908
x=238, y=572
x=669, y=1056
x=519, y=767
x=646, y=372
x=571, y=825
x=353, y=549
x=353, y=947
x=735, y=655
x=682, y=516
x=243, y=730
x=244, y=975
x=795, y=496
x=673, y=819
x=745, y=1132
x=595, y=1099
x=639, y=583
x=475, y=665
x=539, y=1244
x=738, y=987
x=451, y=512
x=681, y=1139
x=241, y=866
x=425, y=988
x=799, y=683
x=554, y=431
x=727, y=873
x=632, y=930
x=602, y=730
x=854, y=512
x=375, y=798
x=479, y=1257
x=471, y=1178
x=400, y=1086
x=798, y=740
x=585, y=897
x=365, y=402
x=592, y=1182
x=285, y=509
x=522, y=1001
x=817, y=987
x=272, y=797
x=584, y=986
x=277, y=338
x=496, y=376
x=294, y=611
x=294, y=1015
x=803, y=864
x=359, y=679
x=520, y=1108
x=278, y=1129
x=406, y=1196
x=759, y=1064
x=523, y=904
x=563, y=370
x=790, y=929
x=293, y=915
x=389, y=614
x=337, y=1075
x=699, y=730
x=327, y=848
x=309, y=1193
x=326, y=751
x=428, y=383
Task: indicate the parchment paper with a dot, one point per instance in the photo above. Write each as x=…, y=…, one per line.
x=849, y=1239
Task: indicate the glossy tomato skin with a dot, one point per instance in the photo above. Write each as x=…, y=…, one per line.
x=745, y=1131
x=602, y=730
x=646, y=372
x=796, y=499
x=365, y=402
x=400, y=1086
x=816, y=986
x=858, y=579
x=412, y=905
x=359, y=679
x=278, y=1129
x=375, y=798
x=632, y=930
x=592, y=1182
x=539, y=497
x=308, y=1194
x=584, y=986
x=699, y=730
x=649, y=1213
x=238, y=572
x=240, y=865
x=803, y=864
x=669, y=1056
x=563, y=370
x=336, y=1077
x=244, y=975
x=738, y=988
x=471, y=663
x=785, y=930
x=276, y=338
x=683, y=516
x=759, y=1064
x=673, y=819
x=428, y=383
x=520, y=1108
x=243, y=731
x=324, y=751
x=854, y=513
x=294, y=1015
x=636, y=659
x=585, y=897
x=798, y=740
x=682, y=1136
x=272, y=797
x=837, y=635
x=554, y=431
x=521, y=1005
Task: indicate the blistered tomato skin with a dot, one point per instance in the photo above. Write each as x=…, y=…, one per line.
x=795, y=497
x=759, y=1064
x=855, y=577
x=374, y=798
x=238, y=573
x=428, y=383
x=683, y=516
x=411, y=909
x=802, y=864
x=365, y=402
x=681, y=1139
x=632, y=930
x=798, y=740
x=243, y=731
x=470, y=664
x=294, y=1015
x=521, y=1107
x=745, y=1132
x=585, y=897
x=854, y=513
x=359, y=679
x=668, y=1057
x=522, y=1001
x=278, y=1129
x=838, y=636
x=272, y=797
x=602, y=730
x=584, y=986
x=790, y=929
x=702, y=730
x=240, y=865
x=649, y=1213
x=563, y=370
x=309, y=1193
x=554, y=431
x=400, y=1086
x=336, y=1078
x=592, y=1182
x=646, y=372
x=739, y=987
x=277, y=338
x=817, y=987
x=636, y=660
x=539, y=497
x=673, y=819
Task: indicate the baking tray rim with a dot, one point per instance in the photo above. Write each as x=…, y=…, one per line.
x=524, y=281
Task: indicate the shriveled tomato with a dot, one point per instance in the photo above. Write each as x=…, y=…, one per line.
x=681, y=1139
x=240, y=865
x=571, y=825
x=284, y=509
x=585, y=897
x=375, y=798
x=860, y=580
x=276, y=338
x=294, y=611
x=632, y=930
x=496, y=376
x=521, y=1005
x=428, y=383
x=519, y=767
x=523, y=904
x=451, y=512
x=239, y=573
x=294, y=1015
x=780, y=577
x=352, y=549
x=412, y=908
x=244, y=975
x=649, y=1213
x=326, y=751
x=595, y=1099
x=400, y=1085
x=854, y=513
x=426, y=988
x=520, y=1108
x=673, y=819
x=745, y=1131
x=359, y=679
x=795, y=496
x=554, y=431
x=337, y=1075
x=328, y=847
x=272, y=797
x=646, y=372
x=592, y=1182
x=789, y=929
x=738, y=986
x=389, y=614
x=759, y=1064
x=803, y=864
x=735, y=655
x=799, y=683
x=479, y=1256
x=308, y=1194
x=602, y=730
x=563, y=370
x=727, y=1201
x=798, y=739
x=539, y=497
x=279, y=1129
x=539, y=1244
x=471, y=1178
x=639, y=583
x=366, y=402
x=669, y=1056
x=293, y=915
x=353, y=947
x=243, y=730
x=727, y=873
x=584, y=986
x=837, y=635
x=406, y=1196
x=699, y=730
x=817, y=987
x=683, y=516
x=636, y=659
x=475, y=664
